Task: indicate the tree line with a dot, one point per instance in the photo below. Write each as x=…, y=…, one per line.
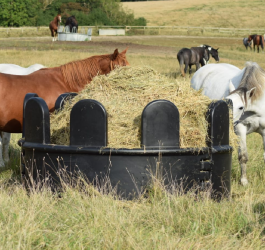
x=16, y=13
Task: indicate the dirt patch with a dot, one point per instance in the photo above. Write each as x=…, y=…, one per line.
x=102, y=44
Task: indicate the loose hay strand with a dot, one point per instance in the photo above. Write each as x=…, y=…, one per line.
x=124, y=93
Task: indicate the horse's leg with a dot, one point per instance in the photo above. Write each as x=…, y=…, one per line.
x=53, y=38
x=6, y=140
x=190, y=69
x=185, y=69
x=241, y=132
x=197, y=66
x=52, y=34
x=2, y=163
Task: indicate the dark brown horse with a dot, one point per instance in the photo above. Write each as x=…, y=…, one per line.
x=49, y=83
x=54, y=26
x=72, y=23
x=257, y=40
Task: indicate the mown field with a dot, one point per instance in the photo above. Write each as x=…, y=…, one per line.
x=202, y=13
x=89, y=220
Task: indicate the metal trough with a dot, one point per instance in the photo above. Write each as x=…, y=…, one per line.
x=111, y=32
x=130, y=170
x=64, y=34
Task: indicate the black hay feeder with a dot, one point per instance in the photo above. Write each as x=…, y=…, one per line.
x=130, y=170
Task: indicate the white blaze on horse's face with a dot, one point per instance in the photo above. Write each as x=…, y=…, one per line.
x=238, y=104
x=60, y=18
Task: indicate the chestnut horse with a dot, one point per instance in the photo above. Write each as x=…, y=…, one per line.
x=54, y=25
x=49, y=83
x=257, y=40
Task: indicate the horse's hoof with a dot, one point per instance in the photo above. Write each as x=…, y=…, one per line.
x=244, y=181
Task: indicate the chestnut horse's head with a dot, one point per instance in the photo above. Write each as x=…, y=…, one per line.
x=59, y=18
x=251, y=37
x=114, y=60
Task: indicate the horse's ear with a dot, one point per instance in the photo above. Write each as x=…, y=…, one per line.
x=231, y=86
x=251, y=92
x=124, y=52
x=115, y=54
x=217, y=49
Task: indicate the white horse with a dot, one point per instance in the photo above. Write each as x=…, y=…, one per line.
x=246, y=89
x=214, y=79
x=12, y=69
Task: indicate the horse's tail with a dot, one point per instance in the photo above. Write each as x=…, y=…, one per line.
x=181, y=62
x=261, y=38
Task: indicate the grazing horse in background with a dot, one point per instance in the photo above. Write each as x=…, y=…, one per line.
x=5, y=137
x=189, y=57
x=246, y=89
x=54, y=26
x=203, y=58
x=214, y=79
x=49, y=83
x=247, y=43
x=213, y=52
x=257, y=40
x=14, y=69
x=72, y=23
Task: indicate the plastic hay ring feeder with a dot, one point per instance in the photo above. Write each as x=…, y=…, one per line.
x=128, y=169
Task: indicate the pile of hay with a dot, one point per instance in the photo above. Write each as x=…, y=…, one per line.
x=124, y=93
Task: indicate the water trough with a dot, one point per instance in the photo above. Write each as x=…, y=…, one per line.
x=64, y=34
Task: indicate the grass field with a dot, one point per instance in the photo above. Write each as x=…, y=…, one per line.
x=82, y=218
x=89, y=220
x=202, y=13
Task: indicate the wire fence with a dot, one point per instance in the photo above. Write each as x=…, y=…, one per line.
x=139, y=30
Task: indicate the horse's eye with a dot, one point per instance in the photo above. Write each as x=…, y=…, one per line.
x=241, y=108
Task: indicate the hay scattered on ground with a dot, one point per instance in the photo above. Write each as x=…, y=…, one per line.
x=124, y=93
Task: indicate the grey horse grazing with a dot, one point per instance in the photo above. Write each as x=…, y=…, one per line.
x=247, y=43
x=193, y=56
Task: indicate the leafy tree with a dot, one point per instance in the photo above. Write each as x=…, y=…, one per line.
x=87, y=12
x=18, y=12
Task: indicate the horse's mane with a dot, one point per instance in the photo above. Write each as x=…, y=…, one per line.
x=253, y=77
x=81, y=72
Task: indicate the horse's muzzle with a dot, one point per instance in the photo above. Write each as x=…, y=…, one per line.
x=236, y=122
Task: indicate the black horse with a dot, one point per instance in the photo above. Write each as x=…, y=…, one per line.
x=193, y=56
x=72, y=23
x=213, y=52
x=204, y=54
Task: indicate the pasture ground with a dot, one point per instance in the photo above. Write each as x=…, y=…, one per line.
x=84, y=219
x=200, y=13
